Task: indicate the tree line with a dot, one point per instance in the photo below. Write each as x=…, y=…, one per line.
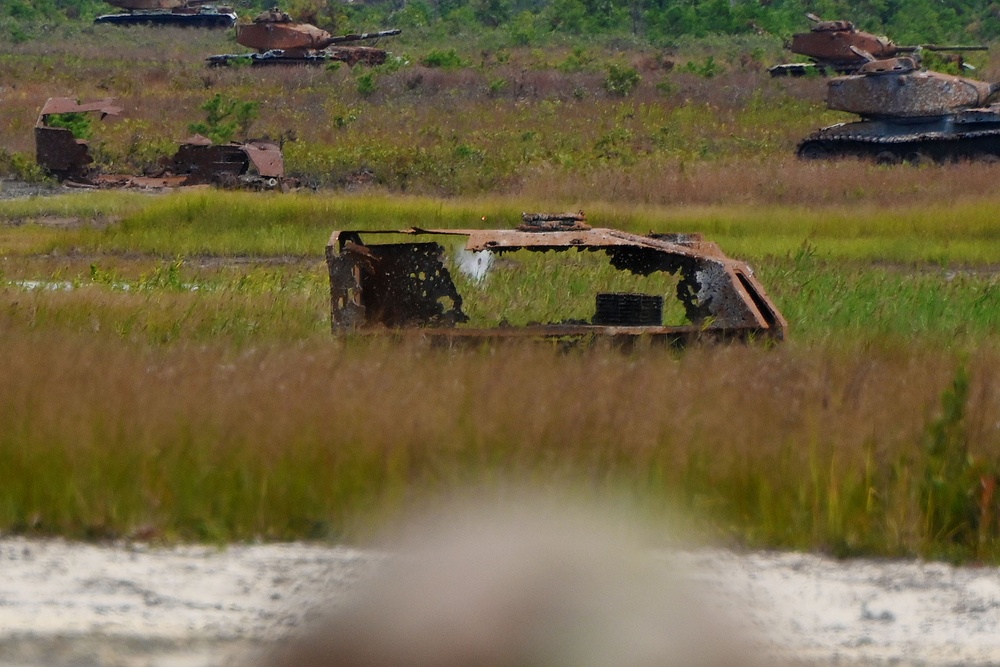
x=531, y=22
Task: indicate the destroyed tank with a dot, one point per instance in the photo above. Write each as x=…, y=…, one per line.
x=909, y=114
x=182, y=13
x=833, y=48
x=280, y=40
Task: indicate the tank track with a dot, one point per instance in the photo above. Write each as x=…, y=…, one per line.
x=924, y=147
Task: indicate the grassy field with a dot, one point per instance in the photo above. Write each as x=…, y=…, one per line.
x=169, y=371
x=170, y=374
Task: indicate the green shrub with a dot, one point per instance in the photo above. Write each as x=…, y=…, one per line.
x=225, y=118
x=21, y=167
x=445, y=59
x=622, y=79
x=366, y=84
x=77, y=123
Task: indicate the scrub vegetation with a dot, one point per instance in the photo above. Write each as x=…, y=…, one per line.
x=168, y=369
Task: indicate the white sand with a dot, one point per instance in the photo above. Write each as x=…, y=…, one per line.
x=79, y=605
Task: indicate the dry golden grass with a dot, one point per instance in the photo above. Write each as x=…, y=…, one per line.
x=792, y=446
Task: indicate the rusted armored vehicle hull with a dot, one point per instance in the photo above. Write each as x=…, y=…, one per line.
x=56, y=149
x=406, y=286
x=909, y=115
x=837, y=47
x=254, y=165
x=280, y=40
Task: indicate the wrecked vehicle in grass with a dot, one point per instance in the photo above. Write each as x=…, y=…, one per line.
x=479, y=284
x=909, y=115
x=253, y=165
x=176, y=13
x=835, y=47
x=280, y=40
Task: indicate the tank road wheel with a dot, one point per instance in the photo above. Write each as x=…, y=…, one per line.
x=887, y=158
x=814, y=150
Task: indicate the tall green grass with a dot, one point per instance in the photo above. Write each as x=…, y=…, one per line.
x=963, y=232
x=837, y=447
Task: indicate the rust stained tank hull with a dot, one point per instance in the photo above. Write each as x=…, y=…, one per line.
x=834, y=47
x=909, y=115
x=406, y=286
x=838, y=47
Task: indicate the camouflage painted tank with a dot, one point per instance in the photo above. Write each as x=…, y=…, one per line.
x=280, y=40
x=836, y=46
x=183, y=13
x=909, y=114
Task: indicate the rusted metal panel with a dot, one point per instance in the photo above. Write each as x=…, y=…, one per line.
x=105, y=107
x=56, y=149
x=266, y=158
x=402, y=286
x=834, y=46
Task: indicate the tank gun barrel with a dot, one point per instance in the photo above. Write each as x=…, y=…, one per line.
x=357, y=37
x=938, y=47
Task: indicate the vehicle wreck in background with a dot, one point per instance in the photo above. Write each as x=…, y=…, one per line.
x=177, y=13
x=408, y=286
x=254, y=165
x=280, y=40
x=837, y=47
x=909, y=114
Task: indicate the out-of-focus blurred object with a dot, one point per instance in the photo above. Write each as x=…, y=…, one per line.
x=537, y=585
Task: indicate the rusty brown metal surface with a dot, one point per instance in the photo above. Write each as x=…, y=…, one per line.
x=895, y=88
x=266, y=158
x=68, y=105
x=254, y=165
x=56, y=149
x=375, y=287
x=834, y=46
x=265, y=35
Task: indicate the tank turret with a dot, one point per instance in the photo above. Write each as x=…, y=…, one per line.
x=833, y=46
x=909, y=114
x=275, y=29
x=182, y=13
x=896, y=87
x=279, y=39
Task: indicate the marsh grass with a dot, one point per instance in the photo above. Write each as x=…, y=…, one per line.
x=959, y=231
x=790, y=447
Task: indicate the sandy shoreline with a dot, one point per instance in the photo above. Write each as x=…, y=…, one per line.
x=72, y=604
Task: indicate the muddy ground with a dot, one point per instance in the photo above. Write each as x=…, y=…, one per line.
x=81, y=605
